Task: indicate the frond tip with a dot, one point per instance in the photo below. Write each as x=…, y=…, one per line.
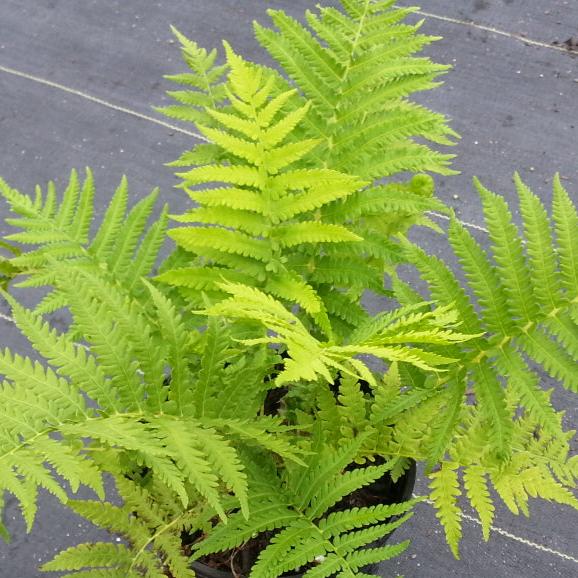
x=55, y=231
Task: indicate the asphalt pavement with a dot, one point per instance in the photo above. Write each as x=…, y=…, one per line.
x=77, y=84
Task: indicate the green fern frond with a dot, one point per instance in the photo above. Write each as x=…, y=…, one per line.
x=190, y=446
x=442, y=431
x=565, y=223
x=106, y=237
x=355, y=70
x=59, y=232
x=270, y=210
x=112, y=344
x=309, y=358
x=395, y=198
x=312, y=232
x=476, y=486
x=195, y=239
x=152, y=527
x=445, y=491
x=98, y=555
x=523, y=310
x=177, y=340
x=138, y=416
x=204, y=83
x=539, y=467
x=522, y=303
x=34, y=406
x=297, y=507
x=215, y=354
x=356, y=67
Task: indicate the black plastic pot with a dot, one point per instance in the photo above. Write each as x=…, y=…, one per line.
x=401, y=491
x=203, y=571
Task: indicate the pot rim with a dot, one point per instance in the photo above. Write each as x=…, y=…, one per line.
x=214, y=573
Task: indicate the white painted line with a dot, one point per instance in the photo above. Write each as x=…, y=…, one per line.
x=6, y=318
x=512, y=35
x=511, y=536
x=464, y=223
x=528, y=543
x=100, y=101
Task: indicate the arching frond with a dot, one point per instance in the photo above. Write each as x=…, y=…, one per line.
x=269, y=209
x=309, y=358
x=520, y=299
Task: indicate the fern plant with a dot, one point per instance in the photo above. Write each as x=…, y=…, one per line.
x=492, y=385
x=355, y=66
x=170, y=393
x=249, y=231
x=297, y=507
x=111, y=388
x=55, y=231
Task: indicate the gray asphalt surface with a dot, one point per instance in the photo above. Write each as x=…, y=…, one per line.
x=515, y=105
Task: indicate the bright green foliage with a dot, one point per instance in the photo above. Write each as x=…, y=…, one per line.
x=151, y=519
x=375, y=412
x=356, y=66
x=269, y=214
x=400, y=418
x=160, y=428
x=112, y=389
x=539, y=467
x=445, y=493
x=298, y=505
x=524, y=298
x=525, y=294
x=7, y=270
x=310, y=359
x=203, y=85
x=292, y=224
x=346, y=109
x=57, y=230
